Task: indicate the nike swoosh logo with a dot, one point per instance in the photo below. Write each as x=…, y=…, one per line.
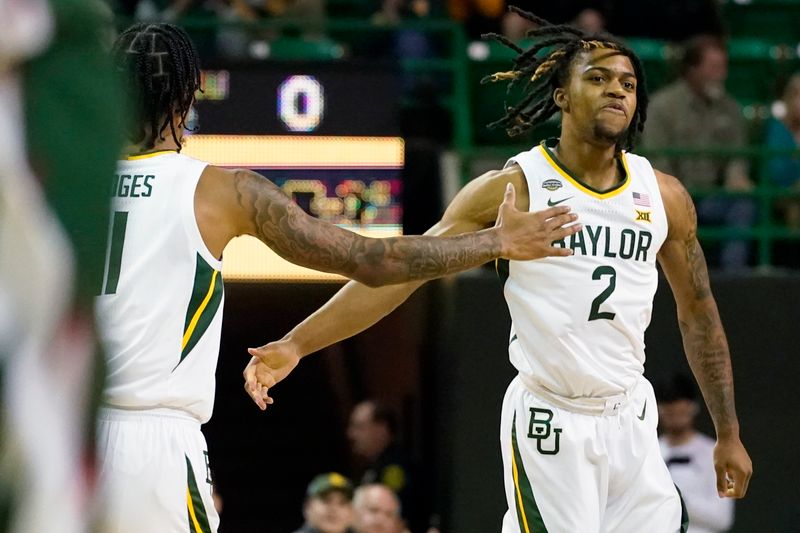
x=551, y=203
x=644, y=410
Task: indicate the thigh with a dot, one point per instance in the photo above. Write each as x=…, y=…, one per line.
x=555, y=474
x=652, y=503
x=153, y=478
x=643, y=497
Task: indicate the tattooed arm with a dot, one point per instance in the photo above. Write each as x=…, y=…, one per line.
x=356, y=307
x=231, y=203
x=704, y=340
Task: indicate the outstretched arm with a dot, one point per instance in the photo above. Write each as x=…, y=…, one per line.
x=704, y=339
x=356, y=307
x=244, y=202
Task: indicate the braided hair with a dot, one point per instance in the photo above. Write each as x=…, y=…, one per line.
x=160, y=66
x=542, y=73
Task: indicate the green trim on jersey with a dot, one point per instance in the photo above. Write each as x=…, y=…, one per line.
x=547, y=146
x=206, y=297
x=530, y=519
x=684, y=512
x=198, y=519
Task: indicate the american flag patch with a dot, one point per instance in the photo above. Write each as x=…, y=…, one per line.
x=641, y=199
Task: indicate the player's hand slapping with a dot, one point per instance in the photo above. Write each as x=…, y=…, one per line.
x=525, y=236
x=733, y=467
x=269, y=365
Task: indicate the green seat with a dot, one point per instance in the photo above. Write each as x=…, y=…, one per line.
x=648, y=49
x=293, y=48
x=656, y=56
x=775, y=19
x=752, y=49
x=753, y=69
x=502, y=53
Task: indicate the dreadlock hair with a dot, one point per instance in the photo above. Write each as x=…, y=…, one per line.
x=545, y=66
x=159, y=64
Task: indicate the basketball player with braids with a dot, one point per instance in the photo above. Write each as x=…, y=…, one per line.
x=578, y=427
x=160, y=307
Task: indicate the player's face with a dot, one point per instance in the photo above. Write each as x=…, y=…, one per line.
x=329, y=513
x=378, y=512
x=600, y=98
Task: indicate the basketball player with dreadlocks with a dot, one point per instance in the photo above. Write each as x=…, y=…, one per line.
x=160, y=306
x=578, y=427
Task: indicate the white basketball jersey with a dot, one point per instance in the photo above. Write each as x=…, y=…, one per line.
x=578, y=322
x=160, y=307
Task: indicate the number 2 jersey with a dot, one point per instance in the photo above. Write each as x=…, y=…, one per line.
x=578, y=322
x=160, y=308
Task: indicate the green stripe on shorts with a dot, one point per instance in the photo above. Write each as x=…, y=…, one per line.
x=530, y=519
x=198, y=519
x=684, y=513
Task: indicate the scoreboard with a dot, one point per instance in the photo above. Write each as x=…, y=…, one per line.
x=327, y=134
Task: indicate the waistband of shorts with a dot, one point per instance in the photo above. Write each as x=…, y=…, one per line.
x=600, y=406
x=121, y=414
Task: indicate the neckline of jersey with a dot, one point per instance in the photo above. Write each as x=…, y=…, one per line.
x=148, y=155
x=566, y=173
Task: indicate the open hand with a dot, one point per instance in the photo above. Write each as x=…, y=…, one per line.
x=526, y=236
x=269, y=365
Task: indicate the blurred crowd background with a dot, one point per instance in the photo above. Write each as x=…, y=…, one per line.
x=725, y=114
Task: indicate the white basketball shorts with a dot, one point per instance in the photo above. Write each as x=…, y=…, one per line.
x=573, y=472
x=154, y=473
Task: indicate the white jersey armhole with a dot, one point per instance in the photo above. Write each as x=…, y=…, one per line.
x=526, y=162
x=642, y=168
x=196, y=169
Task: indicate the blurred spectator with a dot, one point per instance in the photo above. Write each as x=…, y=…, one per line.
x=372, y=432
x=403, y=43
x=478, y=16
x=783, y=132
x=591, y=21
x=515, y=26
x=328, y=507
x=689, y=457
x=377, y=510
x=695, y=111
x=235, y=41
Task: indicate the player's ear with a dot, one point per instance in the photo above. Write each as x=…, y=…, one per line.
x=561, y=99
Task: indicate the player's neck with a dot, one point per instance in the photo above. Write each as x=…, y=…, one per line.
x=678, y=439
x=594, y=164
x=165, y=141
x=162, y=146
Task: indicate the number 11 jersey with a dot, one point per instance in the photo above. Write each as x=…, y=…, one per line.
x=160, y=306
x=578, y=322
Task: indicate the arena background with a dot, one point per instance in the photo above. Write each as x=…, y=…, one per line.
x=441, y=359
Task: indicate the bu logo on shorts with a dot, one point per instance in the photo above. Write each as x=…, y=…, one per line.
x=540, y=429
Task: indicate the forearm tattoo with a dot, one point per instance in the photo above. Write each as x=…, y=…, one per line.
x=304, y=240
x=694, y=254
x=703, y=336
